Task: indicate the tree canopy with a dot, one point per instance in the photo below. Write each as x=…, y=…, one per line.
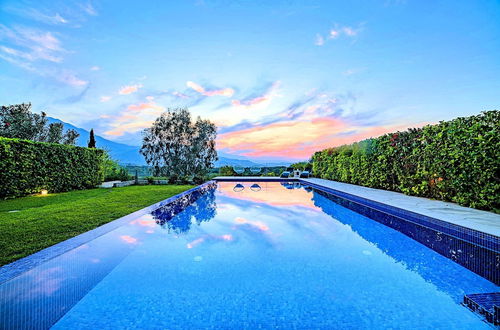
x=17, y=121
x=177, y=146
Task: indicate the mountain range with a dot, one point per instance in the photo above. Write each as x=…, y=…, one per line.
x=129, y=155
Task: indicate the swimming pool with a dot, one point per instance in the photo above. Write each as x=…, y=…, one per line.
x=263, y=254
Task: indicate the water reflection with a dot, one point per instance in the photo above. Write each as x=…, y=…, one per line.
x=445, y=274
x=178, y=221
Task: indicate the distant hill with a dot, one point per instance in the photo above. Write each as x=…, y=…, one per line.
x=123, y=153
x=127, y=154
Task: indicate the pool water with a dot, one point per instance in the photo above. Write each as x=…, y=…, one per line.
x=271, y=255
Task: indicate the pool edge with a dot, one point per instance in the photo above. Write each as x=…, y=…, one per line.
x=20, y=266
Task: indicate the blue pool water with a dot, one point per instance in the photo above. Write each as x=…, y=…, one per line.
x=271, y=256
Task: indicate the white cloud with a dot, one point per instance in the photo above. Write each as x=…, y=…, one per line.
x=320, y=41
x=338, y=32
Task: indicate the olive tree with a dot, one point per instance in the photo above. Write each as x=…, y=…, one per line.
x=176, y=146
x=17, y=121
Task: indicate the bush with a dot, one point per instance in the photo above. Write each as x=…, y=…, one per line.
x=457, y=161
x=113, y=171
x=29, y=167
x=227, y=171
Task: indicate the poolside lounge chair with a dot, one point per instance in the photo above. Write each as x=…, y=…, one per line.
x=286, y=173
x=305, y=173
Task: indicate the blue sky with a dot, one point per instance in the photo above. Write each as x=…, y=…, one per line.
x=281, y=79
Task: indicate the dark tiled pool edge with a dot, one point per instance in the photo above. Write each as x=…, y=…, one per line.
x=477, y=251
x=9, y=271
x=486, y=304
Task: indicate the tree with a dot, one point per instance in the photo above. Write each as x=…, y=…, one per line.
x=17, y=121
x=175, y=146
x=91, y=143
x=227, y=171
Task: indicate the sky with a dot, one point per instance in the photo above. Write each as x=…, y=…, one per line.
x=281, y=79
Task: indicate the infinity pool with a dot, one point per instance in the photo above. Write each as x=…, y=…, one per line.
x=271, y=255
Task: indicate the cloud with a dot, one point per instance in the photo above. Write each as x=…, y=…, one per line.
x=89, y=9
x=319, y=41
x=297, y=139
x=34, y=44
x=337, y=32
x=95, y=68
x=134, y=118
x=228, y=92
x=258, y=100
x=346, y=31
x=129, y=89
x=71, y=79
x=74, y=98
x=105, y=98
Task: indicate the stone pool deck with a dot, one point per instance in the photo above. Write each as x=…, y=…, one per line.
x=486, y=222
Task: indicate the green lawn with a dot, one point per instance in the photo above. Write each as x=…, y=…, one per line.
x=43, y=221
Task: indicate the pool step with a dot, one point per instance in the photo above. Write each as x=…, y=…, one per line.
x=487, y=304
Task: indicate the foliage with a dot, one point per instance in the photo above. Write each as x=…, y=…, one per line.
x=29, y=167
x=227, y=171
x=113, y=171
x=265, y=171
x=56, y=217
x=301, y=166
x=457, y=161
x=17, y=121
x=177, y=147
x=143, y=171
x=91, y=143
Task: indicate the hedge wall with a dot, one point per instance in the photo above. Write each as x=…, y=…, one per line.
x=28, y=167
x=457, y=161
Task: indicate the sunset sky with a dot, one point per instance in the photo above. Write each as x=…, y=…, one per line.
x=281, y=79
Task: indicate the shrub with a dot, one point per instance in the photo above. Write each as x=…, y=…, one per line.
x=113, y=171
x=227, y=171
x=28, y=167
x=457, y=161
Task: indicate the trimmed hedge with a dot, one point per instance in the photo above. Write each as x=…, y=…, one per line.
x=27, y=167
x=457, y=161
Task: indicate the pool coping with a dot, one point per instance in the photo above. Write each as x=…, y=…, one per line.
x=20, y=266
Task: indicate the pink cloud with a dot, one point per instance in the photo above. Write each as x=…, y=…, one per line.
x=259, y=101
x=228, y=92
x=297, y=139
x=134, y=118
x=129, y=89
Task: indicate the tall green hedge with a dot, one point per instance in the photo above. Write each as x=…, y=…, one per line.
x=27, y=167
x=456, y=160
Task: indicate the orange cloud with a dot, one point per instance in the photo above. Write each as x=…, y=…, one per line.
x=221, y=92
x=129, y=89
x=298, y=139
x=135, y=118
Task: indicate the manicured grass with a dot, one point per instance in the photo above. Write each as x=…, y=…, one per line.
x=43, y=221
